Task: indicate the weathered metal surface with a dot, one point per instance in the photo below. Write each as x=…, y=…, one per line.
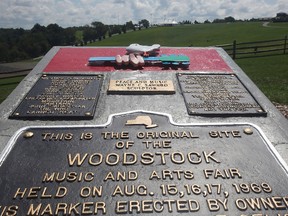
x=129, y=86
x=218, y=95
x=60, y=97
x=141, y=163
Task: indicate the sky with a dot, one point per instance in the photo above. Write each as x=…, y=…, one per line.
x=67, y=13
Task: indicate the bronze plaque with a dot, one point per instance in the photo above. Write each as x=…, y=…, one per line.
x=59, y=97
x=141, y=87
x=141, y=164
x=218, y=95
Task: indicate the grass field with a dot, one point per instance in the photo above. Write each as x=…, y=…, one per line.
x=199, y=35
x=269, y=73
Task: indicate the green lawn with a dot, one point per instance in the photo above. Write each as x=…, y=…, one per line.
x=270, y=74
x=279, y=25
x=198, y=35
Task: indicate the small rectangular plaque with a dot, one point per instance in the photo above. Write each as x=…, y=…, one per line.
x=61, y=97
x=141, y=87
x=218, y=95
x=142, y=164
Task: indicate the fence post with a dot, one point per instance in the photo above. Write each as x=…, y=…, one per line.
x=285, y=44
x=234, y=50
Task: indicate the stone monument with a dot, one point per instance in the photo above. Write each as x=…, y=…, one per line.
x=82, y=139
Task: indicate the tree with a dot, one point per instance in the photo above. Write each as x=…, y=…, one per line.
x=114, y=29
x=38, y=28
x=14, y=54
x=229, y=19
x=124, y=29
x=145, y=23
x=34, y=44
x=186, y=22
x=69, y=34
x=218, y=21
x=89, y=34
x=55, y=35
x=130, y=25
x=101, y=29
x=19, y=44
x=4, y=48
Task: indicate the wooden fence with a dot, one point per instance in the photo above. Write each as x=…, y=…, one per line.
x=9, y=80
x=16, y=73
x=256, y=48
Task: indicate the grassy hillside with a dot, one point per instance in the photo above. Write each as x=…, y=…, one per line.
x=199, y=35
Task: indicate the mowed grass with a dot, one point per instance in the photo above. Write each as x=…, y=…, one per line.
x=198, y=35
x=270, y=74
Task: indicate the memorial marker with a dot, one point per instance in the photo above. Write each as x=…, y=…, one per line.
x=218, y=95
x=61, y=97
x=140, y=163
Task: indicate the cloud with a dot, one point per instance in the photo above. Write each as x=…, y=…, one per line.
x=26, y=13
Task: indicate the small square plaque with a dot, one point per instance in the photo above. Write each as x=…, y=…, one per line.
x=141, y=87
x=60, y=97
x=218, y=95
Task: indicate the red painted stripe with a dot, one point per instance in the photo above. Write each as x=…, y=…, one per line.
x=75, y=59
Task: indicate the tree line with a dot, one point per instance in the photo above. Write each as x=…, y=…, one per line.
x=20, y=44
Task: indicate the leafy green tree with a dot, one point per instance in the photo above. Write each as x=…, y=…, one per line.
x=130, y=25
x=101, y=29
x=34, y=44
x=19, y=44
x=70, y=36
x=15, y=55
x=55, y=35
x=115, y=29
x=186, y=22
x=89, y=34
x=4, y=48
x=124, y=29
x=38, y=28
x=145, y=23
x=229, y=19
x=218, y=21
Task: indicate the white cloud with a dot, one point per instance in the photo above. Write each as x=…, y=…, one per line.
x=25, y=13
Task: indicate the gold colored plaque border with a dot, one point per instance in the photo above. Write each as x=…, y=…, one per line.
x=141, y=87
